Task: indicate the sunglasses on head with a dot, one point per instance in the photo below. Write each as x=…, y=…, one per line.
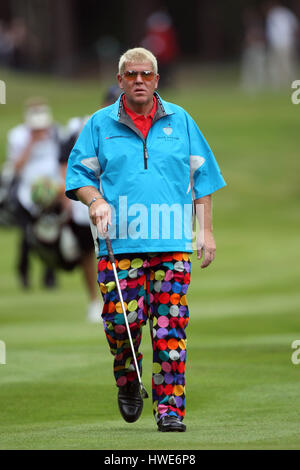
x=145, y=74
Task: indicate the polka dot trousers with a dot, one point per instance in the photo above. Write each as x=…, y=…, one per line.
x=154, y=287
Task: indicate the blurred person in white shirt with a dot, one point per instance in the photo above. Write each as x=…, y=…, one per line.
x=282, y=28
x=33, y=151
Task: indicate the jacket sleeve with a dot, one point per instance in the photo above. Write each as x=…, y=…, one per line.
x=205, y=174
x=83, y=165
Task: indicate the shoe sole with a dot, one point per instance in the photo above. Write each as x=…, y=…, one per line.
x=172, y=430
x=130, y=419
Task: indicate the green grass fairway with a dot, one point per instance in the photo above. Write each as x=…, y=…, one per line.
x=57, y=389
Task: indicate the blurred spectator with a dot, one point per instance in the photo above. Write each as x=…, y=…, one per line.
x=282, y=27
x=161, y=40
x=253, y=66
x=20, y=37
x=33, y=149
x=19, y=47
x=26, y=46
x=80, y=221
x=6, y=45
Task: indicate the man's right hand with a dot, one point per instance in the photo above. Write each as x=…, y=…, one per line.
x=100, y=215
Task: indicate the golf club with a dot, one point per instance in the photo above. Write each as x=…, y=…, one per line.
x=143, y=391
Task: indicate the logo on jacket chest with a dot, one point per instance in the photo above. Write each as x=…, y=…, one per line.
x=168, y=131
x=167, y=134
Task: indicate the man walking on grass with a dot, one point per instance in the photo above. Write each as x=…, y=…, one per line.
x=143, y=166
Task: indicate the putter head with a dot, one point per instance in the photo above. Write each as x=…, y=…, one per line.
x=144, y=394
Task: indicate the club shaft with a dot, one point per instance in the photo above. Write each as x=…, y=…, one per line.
x=127, y=324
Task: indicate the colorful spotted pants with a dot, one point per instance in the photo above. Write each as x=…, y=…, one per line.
x=154, y=287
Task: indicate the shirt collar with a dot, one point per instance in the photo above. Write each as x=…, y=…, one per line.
x=163, y=108
x=134, y=115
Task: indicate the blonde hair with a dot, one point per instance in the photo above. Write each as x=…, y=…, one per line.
x=138, y=54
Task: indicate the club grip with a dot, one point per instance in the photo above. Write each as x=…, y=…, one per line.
x=109, y=248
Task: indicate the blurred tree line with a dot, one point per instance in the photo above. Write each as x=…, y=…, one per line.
x=66, y=36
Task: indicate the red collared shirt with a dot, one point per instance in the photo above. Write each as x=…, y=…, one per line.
x=141, y=122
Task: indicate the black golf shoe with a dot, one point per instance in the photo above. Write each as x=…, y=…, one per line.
x=130, y=402
x=170, y=424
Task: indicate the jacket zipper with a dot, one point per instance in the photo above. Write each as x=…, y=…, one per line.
x=139, y=134
x=146, y=156
x=134, y=129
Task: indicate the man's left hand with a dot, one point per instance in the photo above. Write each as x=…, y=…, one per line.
x=208, y=247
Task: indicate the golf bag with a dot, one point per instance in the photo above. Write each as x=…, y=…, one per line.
x=51, y=237
x=49, y=231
